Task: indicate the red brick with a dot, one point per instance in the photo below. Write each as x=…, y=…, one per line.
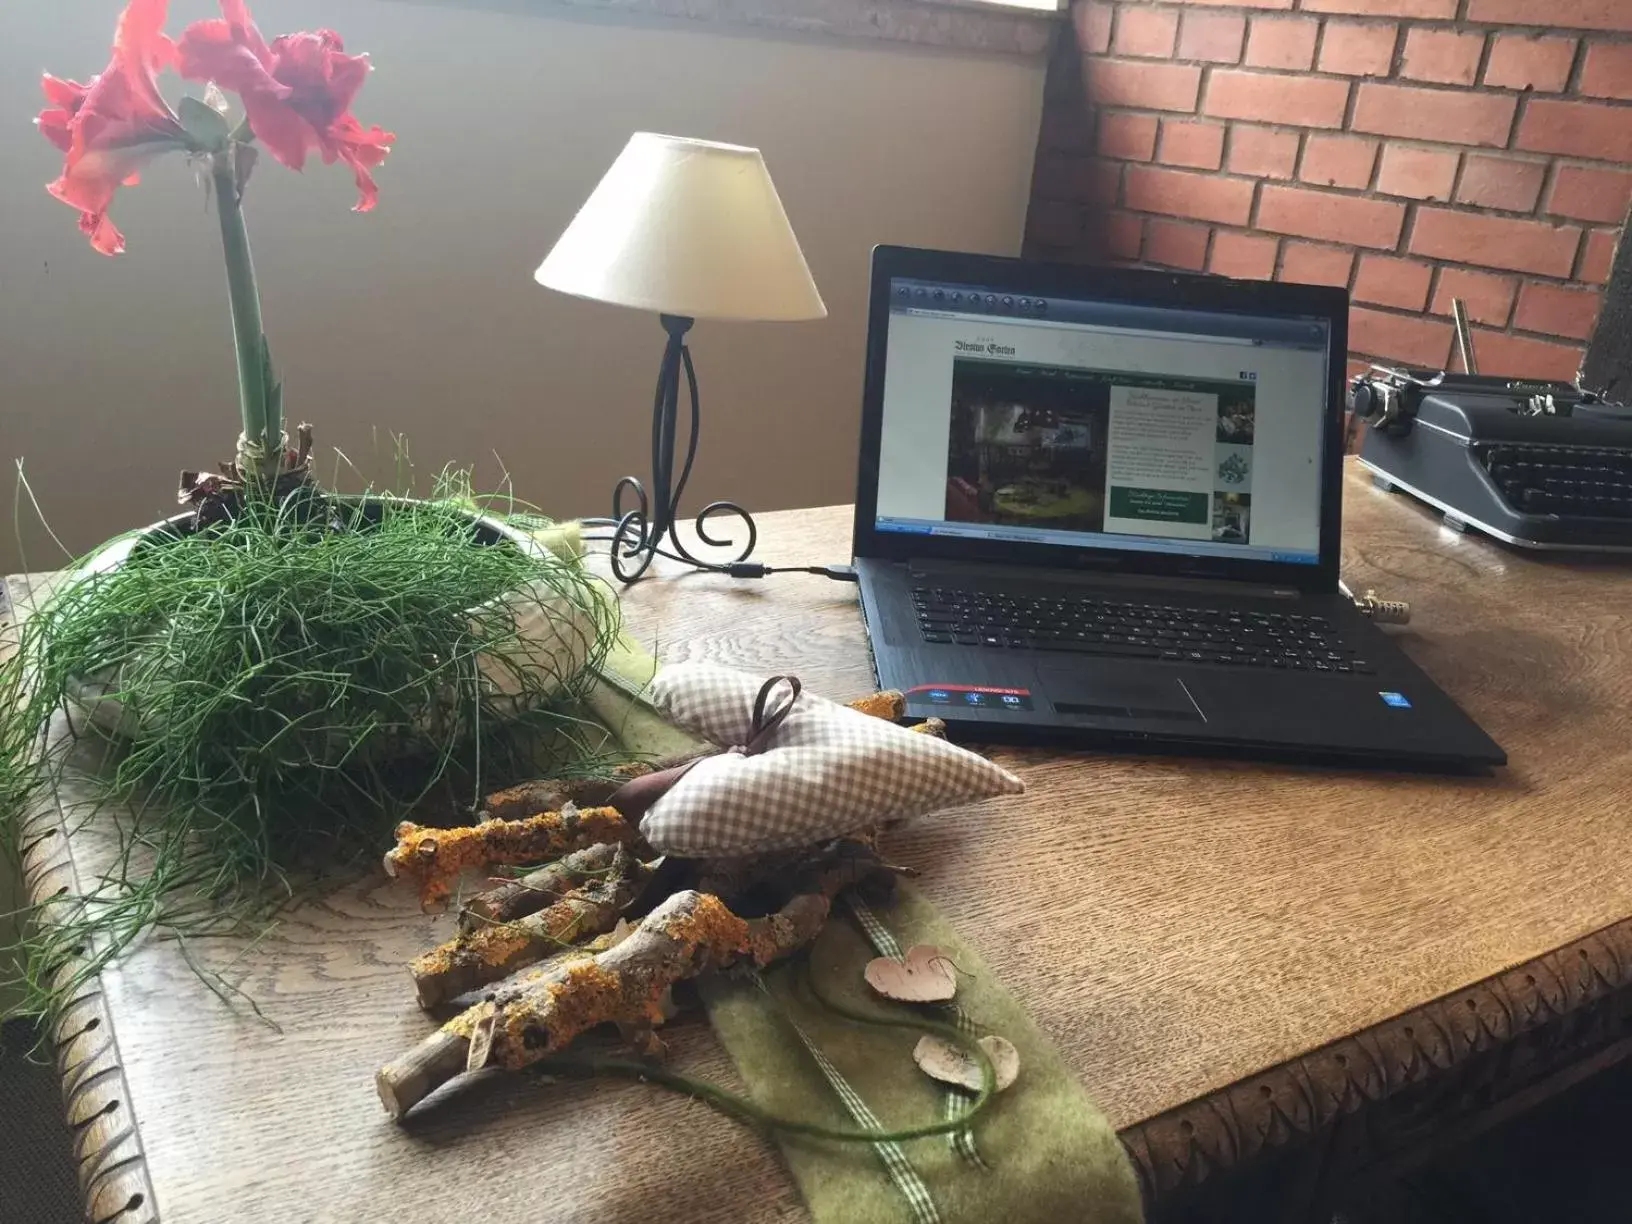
x=1262, y=152
x=1311, y=101
x=1150, y=86
x=1519, y=357
x=1556, y=311
x=1214, y=37
x=1597, y=256
x=1489, y=298
x=1338, y=161
x=1305, y=263
x=1093, y=22
x=1607, y=72
x=1178, y=193
x=1417, y=174
x=1590, y=193
x=1387, y=281
x=1577, y=129
x=1409, y=338
x=1335, y=218
x=1123, y=234
x=1132, y=137
x=1143, y=31
x=1501, y=182
x=1192, y=142
x=1054, y=223
x=1445, y=56
x=1495, y=242
x=1520, y=61
x=1355, y=368
x=1434, y=114
x=1177, y=244
x=1248, y=4
x=1282, y=42
x=1356, y=48
x=1245, y=256
x=1580, y=14
x=1383, y=8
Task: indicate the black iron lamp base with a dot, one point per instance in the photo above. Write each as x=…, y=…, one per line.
x=648, y=529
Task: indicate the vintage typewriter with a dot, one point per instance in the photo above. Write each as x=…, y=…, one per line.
x=1537, y=464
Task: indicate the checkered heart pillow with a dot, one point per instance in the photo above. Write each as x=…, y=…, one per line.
x=822, y=771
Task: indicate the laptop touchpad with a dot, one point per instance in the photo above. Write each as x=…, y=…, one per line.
x=1123, y=693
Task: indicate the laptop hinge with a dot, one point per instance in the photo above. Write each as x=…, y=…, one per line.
x=931, y=570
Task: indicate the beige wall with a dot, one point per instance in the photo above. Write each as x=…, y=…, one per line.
x=423, y=317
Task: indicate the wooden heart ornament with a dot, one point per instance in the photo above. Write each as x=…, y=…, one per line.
x=942, y=1060
x=925, y=976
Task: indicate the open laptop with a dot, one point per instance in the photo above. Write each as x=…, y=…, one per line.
x=1105, y=504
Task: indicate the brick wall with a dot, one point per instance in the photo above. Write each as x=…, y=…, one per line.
x=1410, y=150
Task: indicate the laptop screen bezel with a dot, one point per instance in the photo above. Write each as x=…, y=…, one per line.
x=1136, y=287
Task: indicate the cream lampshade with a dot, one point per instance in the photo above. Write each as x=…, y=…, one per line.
x=686, y=227
x=693, y=230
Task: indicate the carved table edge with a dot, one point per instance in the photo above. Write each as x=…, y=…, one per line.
x=108, y=1159
x=1235, y=1125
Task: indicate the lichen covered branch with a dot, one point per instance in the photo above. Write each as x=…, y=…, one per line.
x=689, y=934
x=434, y=858
x=540, y=1012
x=583, y=896
x=537, y=890
x=553, y=794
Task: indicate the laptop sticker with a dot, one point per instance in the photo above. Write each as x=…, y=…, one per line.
x=972, y=696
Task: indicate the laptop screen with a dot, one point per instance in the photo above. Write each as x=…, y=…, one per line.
x=1102, y=424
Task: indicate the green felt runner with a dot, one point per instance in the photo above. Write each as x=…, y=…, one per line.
x=1053, y=1156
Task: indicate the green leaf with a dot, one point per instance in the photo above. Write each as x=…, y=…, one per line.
x=207, y=126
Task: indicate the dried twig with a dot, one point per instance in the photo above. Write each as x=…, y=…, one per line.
x=435, y=857
x=588, y=891
x=540, y=1011
x=537, y=890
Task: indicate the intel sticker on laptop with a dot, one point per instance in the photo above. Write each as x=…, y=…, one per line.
x=1398, y=700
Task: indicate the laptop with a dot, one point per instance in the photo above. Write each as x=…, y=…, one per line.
x=1105, y=505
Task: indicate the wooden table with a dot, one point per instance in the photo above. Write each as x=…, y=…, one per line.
x=1273, y=978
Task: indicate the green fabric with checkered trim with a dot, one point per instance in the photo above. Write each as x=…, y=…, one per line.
x=1051, y=1154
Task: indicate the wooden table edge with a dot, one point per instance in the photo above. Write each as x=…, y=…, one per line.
x=97, y=1104
x=1174, y=1153
x=1576, y=1001
x=106, y=1140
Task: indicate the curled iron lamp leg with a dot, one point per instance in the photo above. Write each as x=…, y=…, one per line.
x=649, y=526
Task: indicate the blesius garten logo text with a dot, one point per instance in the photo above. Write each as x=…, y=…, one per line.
x=989, y=347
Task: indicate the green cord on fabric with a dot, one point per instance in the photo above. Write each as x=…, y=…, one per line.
x=744, y=1110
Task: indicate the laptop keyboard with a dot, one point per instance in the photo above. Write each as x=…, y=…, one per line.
x=1134, y=630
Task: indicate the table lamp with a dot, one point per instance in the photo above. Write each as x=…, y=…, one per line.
x=693, y=230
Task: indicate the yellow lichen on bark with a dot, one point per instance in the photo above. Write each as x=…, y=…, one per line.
x=889, y=704
x=583, y=995
x=708, y=924
x=436, y=857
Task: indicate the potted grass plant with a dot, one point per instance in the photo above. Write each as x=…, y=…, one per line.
x=286, y=672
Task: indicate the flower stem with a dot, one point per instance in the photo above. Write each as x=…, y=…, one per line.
x=260, y=449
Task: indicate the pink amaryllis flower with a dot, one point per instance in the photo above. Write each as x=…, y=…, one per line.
x=297, y=92
x=109, y=128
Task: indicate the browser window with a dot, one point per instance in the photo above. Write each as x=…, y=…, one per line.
x=1101, y=424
